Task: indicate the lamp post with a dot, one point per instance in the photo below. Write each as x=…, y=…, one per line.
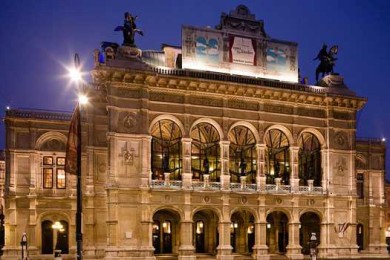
x=79, y=234
x=23, y=244
x=57, y=227
x=73, y=164
x=313, y=246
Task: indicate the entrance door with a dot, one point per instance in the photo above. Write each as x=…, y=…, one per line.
x=199, y=237
x=360, y=236
x=47, y=237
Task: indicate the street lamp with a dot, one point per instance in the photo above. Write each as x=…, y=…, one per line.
x=57, y=226
x=313, y=245
x=23, y=244
x=73, y=152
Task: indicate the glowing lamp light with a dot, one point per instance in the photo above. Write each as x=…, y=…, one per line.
x=75, y=74
x=58, y=226
x=83, y=99
x=8, y=107
x=383, y=139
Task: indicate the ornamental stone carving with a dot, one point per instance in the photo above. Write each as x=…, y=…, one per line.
x=341, y=140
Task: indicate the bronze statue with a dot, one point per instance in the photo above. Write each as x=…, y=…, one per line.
x=327, y=60
x=129, y=29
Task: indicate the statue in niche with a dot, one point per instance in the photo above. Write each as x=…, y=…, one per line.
x=327, y=60
x=129, y=29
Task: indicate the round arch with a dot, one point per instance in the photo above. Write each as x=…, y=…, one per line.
x=250, y=210
x=172, y=209
x=49, y=238
x=316, y=133
x=50, y=136
x=282, y=128
x=168, y=117
x=314, y=211
x=249, y=126
x=212, y=122
x=215, y=210
x=272, y=210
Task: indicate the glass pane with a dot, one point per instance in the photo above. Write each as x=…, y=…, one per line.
x=205, y=152
x=242, y=153
x=60, y=161
x=61, y=179
x=48, y=178
x=166, y=149
x=277, y=157
x=47, y=160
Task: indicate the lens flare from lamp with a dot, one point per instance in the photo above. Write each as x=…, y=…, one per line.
x=75, y=75
x=83, y=99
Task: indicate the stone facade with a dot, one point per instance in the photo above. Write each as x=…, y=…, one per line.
x=185, y=164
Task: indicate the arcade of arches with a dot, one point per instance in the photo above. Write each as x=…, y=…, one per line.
x=246, y=231
x=246, y=154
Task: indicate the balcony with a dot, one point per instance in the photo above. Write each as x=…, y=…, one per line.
x=235, y=187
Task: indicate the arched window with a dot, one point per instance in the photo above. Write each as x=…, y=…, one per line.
x=277, y=157
x=309, y=159
x=166, y=150
x=242, y=153
x=205, y=152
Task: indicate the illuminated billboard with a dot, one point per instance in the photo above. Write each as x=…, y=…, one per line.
x=209, y=49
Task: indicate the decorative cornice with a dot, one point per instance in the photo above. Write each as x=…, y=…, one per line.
x=220, y=84
x=39, y=114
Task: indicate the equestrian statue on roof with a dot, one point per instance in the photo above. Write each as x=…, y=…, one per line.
x=327, y=60
x=129, y=29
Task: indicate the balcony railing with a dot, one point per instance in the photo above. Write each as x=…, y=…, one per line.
x=234, y=187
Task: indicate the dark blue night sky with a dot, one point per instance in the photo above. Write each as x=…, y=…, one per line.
x=39, y=37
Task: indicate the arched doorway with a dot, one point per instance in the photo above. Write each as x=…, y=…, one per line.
x=310, y=223
x=205, y=231
x=360, y=236
x=165, y=232
x=277, y=232
x=48, y=236
x=242, y=232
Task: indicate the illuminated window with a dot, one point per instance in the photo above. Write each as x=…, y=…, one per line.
x=53, y=172
x=205, y=152
x=309, y=160
x=277, y=157
x=242, y=153
x=48, y=178
x=166, y=150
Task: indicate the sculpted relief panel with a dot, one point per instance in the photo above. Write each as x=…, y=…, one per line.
x=127, y=158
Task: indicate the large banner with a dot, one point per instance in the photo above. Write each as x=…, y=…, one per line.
x=209, y=49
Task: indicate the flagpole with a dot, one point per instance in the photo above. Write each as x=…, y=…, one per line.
x=79, y=234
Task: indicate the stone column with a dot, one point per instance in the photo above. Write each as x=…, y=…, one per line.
x=145, y=161
x=294, y=178
x=186, y=249
x=310, y=183
x=224, y=248
x=260, y=250
x=166, y=178
x=260, y=177
x=186, y=153
x=293, y=247
x=206, y=180
x=243, y=182
x=225, y=176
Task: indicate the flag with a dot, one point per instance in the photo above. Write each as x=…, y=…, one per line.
x=73, y=147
